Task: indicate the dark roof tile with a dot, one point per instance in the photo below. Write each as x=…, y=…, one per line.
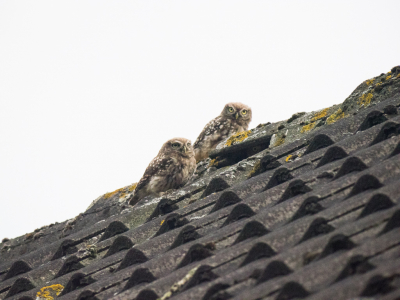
x=307, y=208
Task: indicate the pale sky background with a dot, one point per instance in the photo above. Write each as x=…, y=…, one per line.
x=90, y=90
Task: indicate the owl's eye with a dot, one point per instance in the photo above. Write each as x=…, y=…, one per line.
x=244, y=111
x=175, y=145
x=231, y=110
x=189, y=144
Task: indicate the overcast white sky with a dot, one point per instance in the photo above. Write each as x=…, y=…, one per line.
x=90, y=90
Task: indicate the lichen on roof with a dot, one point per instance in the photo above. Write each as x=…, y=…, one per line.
x=313, y=122
x=213, y=163
x=279, y=140
x=308, y=127
x=370, y=81
x=339, y=114
x=49, y=292
x=320, y=115
x=237, y=138
x=123, y=191
x=365, y=99
x=111, y=194
x=255, y=169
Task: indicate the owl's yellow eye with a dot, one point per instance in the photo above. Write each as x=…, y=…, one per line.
x=230, y=109
x=175, y=145
x=244, y=112
x=189, y=144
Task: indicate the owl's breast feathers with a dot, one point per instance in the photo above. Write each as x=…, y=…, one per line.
x=215, y=125
x=164, y=173
x=159, y=166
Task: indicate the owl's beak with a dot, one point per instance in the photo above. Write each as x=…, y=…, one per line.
x=185, y=149
x=237, y=115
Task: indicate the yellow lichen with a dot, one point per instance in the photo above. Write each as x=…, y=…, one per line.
x=132, y=187
x=213, y=163
x=237, y=138
x=365, y=99
x=123, y=191
x=128, y=190
x=388, y=77
x=320, y=115
x=45, y=292
x=287, y=158
x=109, y=195
x=370, y=81
x=335, y=116
x=308, y=127
x=398, y=75
x=255, y=169
x=162, y=222
x=279, y=141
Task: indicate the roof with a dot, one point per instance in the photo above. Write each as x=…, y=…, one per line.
x=303, y=208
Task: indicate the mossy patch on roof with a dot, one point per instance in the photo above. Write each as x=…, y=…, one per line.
x=280, y=141
x=320, y=115
x=123, y=191
x=308, y=127
x=109, y=195
x=339, y=114
x=313, y=122
x=213, y=163
x=132, y=187
x=255, y=169
x=49, y=292
x=237, y=138
x=370, y=81
x=365, y=99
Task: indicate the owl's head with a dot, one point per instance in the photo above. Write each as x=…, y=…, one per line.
x=180, y=146
x=237, y=111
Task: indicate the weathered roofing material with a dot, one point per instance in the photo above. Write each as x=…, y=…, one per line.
x=303, y=208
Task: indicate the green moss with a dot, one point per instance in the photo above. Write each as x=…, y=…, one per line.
x=237, y=138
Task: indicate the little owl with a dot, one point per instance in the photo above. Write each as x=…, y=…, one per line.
x=235, y=117
x=170, y=169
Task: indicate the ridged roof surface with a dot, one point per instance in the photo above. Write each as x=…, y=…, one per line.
x=306, y=208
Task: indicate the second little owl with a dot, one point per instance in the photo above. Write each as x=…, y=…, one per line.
x=235, y=117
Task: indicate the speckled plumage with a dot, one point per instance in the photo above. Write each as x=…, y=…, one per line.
x=235, y=117
x=170, y=169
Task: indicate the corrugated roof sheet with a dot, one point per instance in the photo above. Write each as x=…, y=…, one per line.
x=306, y=208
